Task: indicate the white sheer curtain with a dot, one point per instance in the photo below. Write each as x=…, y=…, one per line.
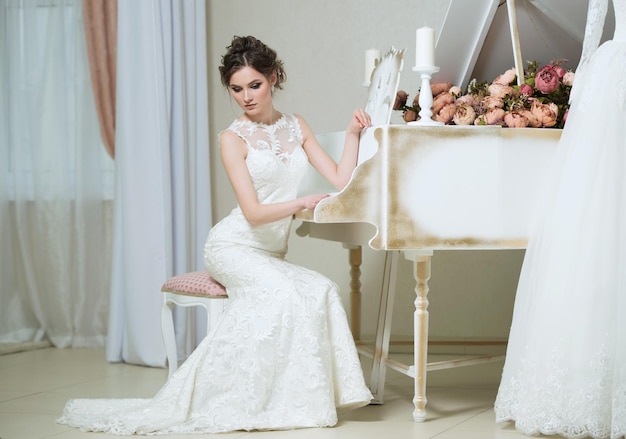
x=55, y=203
x=162, y=200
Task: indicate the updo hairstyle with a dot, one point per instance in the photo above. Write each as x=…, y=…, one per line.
x=250, y=52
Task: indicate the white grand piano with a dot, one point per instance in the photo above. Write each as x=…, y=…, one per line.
x=427, y=189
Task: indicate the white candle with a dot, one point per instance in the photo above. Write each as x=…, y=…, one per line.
x=425, y=47
x=371, y=57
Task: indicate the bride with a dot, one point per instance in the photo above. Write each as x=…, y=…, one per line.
x=282, y=355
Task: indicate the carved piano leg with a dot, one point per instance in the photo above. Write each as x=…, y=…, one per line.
x=421, y=273
x=355, y=258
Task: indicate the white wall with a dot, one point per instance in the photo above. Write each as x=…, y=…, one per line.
x=322, y=43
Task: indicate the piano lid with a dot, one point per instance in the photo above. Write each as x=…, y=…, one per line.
x=475, y=41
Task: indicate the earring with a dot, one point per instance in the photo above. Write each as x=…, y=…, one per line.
x=273, y=89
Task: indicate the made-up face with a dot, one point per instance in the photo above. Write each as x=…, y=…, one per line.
x=253, y=93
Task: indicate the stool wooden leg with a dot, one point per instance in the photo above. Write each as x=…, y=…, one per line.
x=169, y=336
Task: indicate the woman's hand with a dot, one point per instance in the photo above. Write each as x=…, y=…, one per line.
x=360, y=120
x=311, y=201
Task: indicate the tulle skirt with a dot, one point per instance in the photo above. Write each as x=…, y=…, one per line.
x=565, y=369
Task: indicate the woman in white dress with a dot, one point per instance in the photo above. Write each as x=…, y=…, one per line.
x=565, y=369
x=282, y=355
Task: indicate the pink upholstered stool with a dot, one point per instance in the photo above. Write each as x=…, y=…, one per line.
x=190, y=289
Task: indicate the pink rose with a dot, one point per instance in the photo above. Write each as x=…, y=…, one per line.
x=494, y=116
x=547, y=80
x=526, y=89
x=568, y=78
x=464, y=115
x=401, y=98
x=507, y=77
x=515, y=119
x=446, y=114
x=545, y=113
x=500, y=91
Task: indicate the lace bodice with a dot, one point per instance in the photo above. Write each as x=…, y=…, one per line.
x=274, y=180
x=277, y=163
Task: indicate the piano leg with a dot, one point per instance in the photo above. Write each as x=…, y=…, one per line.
x=381, y=360
x=421, y=274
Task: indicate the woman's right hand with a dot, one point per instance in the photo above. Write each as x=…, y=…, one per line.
x=311, y=201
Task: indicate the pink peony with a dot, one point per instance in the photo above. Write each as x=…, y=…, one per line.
x=526, y=89
x=507, y=77
x=568, y=78
x=440, y=87
x=440, y=101
x=455, y=90
x=464, y=115
x=401, y=98
x=480, y=120
x=560, y=71
x=409, y=116
x=494, y=116
x=515, y=119
x=468, y=99
x=500, y=91
x=533, y=122
x=545, y=113
x=547, y=79
x=493, y=102
x=446, y=114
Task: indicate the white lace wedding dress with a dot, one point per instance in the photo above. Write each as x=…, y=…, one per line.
x=565, y=369
x=282, y=355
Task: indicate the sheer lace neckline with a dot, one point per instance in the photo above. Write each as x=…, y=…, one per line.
x=277, y=122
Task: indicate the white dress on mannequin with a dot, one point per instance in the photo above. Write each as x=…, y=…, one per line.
x=282, y=355
x=565, y=369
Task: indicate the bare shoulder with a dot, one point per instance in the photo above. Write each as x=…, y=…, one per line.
x=304, y=127
x=231, y=143
x=303, y=123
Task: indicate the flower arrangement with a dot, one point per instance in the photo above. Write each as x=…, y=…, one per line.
x=541, y=101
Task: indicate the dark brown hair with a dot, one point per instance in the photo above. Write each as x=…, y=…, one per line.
x=250, y=52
